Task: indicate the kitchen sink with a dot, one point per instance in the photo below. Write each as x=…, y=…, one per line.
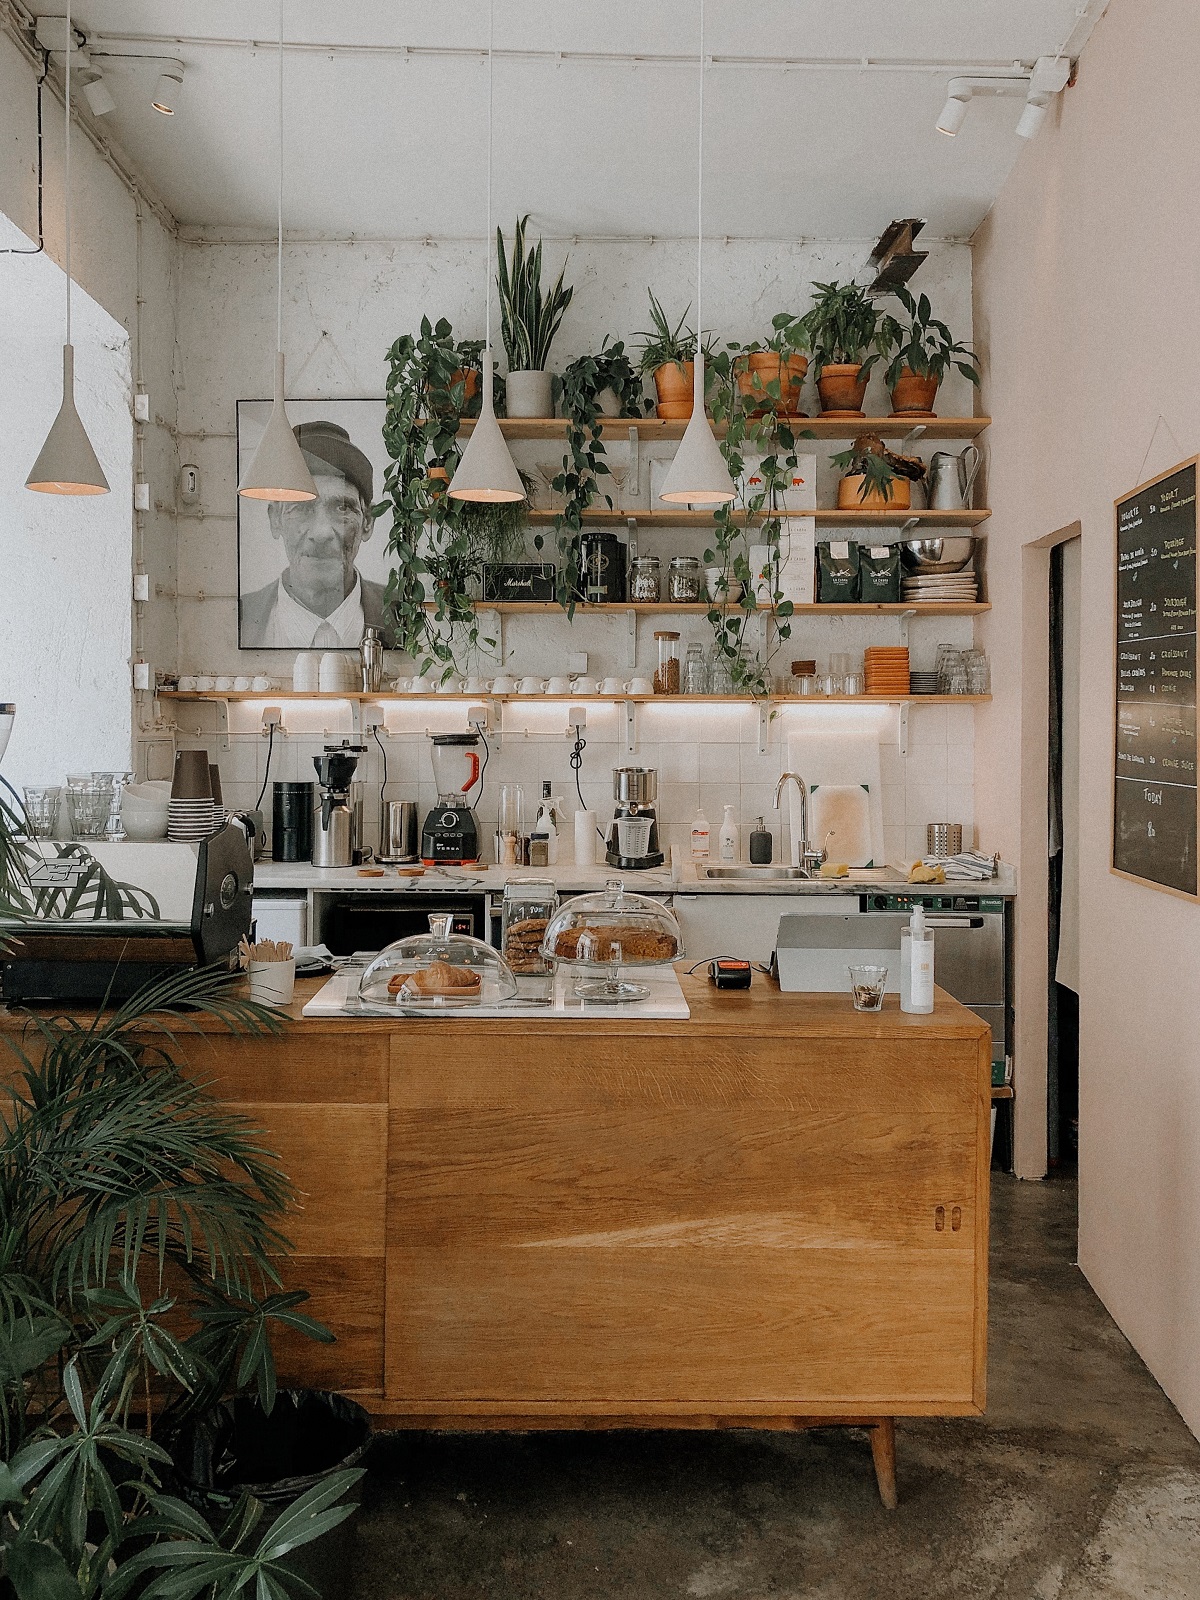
x=754, y=874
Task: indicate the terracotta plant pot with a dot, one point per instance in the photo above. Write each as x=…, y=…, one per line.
x=673, y=383
x=841, y=389
x=470, y=382
x=438, y=480
x=770, y=367
x=913, y=396
x=898, y=497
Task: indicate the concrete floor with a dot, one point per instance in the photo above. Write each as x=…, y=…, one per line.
x=1081, y=1481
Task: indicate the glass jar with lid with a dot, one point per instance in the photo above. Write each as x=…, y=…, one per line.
x=606, y=933
x=645, y=580
x=434, y=972
x=528, y=909
x=667, y=672
x=683, y=580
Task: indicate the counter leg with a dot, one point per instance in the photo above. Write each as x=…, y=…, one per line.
x=883, y=1453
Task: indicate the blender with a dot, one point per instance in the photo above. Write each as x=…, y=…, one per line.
x=450, y=836
x=334, y=832
x=632, y=843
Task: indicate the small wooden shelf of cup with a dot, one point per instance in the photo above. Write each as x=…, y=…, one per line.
x=828, y=517
x=388, y=696
x=652, y=428
x=896, y=608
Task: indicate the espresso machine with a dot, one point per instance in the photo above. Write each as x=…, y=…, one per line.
x=632, y=842
x=336, y=823
x=450, y=836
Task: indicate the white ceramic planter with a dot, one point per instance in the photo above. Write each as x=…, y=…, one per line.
x=530, y=394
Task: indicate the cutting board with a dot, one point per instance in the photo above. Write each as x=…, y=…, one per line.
x=845, y=755
x=840, y=822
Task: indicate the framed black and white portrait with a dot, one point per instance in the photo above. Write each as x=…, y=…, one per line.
x=312, y=575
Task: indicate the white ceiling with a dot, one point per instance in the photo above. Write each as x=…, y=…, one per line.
x=387, y=147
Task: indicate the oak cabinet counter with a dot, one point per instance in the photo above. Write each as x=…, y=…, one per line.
x=770, y=1214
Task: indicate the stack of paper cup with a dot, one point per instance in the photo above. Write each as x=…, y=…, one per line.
x=586, y=839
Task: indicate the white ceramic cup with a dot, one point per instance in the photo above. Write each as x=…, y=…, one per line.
x=223, y=683
x=585, y=686
x=272, y=983
x=400, y=686
x=558, y=686
x=306, y=673
x=187, y=684
x=261, y=684
x=641, y=686
x=612, y=686
x=420, y=686
x=241, y=685
x=205, y=683
x=530, y=686
x=504, y=685
x=476, y=686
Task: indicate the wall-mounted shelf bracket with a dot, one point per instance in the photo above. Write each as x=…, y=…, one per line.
x=764, y=725
x=634, y=476
x=631, y=639
x=902, y=730
x=629, y=727
x=904, y=619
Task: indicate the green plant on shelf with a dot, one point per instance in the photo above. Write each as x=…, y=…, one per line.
x=662, y=344
x=923, y=344
x=842, y=327
x=529, y=319
x=753, y=518
x=583, y=461
x=437, y=544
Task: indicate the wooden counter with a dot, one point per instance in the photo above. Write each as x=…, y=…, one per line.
x=772, y=1213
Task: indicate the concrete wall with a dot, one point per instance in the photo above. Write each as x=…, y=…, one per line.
x=1084, y=274
x=115, y=259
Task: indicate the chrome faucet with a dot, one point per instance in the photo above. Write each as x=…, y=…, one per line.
x=809, y=858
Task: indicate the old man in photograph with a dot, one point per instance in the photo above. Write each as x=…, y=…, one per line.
x=320, y=601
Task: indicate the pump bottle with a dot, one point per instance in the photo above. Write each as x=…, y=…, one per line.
x=916, y=964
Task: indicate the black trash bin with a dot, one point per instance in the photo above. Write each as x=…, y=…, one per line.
x=276, y=1456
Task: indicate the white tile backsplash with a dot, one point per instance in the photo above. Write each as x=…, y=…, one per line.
x=705, y=755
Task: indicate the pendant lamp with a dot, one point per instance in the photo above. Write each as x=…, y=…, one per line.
x=699, y=474
x=67, y=463
x=278, y=470
x=485, y=470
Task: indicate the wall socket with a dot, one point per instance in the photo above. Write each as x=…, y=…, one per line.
x=141, y=586
x=141, y=496
x=143, y=675
x=141, y=408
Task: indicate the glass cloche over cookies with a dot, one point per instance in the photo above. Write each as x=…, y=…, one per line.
x=610, y=932
x=436, y=972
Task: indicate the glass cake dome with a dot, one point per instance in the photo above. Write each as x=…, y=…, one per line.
x=611, y=931
x=434, y=972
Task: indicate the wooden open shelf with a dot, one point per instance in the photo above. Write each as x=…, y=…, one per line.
x=651, y=428
x=268, y=696
x=824, y=518
x=900, y=608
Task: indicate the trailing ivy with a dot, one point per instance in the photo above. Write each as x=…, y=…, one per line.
x=583, y=462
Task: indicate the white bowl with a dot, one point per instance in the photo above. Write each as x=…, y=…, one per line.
x=141, y=827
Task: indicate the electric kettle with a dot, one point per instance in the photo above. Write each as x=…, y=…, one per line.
x=949, y=478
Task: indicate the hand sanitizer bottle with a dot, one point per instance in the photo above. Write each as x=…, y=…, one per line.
x=547, y=823
x=700, y=836
x=728, y=841
x=916, y=964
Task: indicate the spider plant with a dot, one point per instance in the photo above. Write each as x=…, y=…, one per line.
x=662, y=344
x=528, y=320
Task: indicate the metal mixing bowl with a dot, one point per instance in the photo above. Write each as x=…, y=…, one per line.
x=937, y=555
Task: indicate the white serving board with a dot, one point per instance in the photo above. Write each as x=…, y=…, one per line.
x=338, y=998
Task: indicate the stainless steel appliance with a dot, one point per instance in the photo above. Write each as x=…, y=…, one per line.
x=398, y=839
x=450, y=835
x=370, y=656
x=334, y=840
x=632, y=842
x=949, y=478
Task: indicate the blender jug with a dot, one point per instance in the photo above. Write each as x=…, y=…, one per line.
x=455, y=765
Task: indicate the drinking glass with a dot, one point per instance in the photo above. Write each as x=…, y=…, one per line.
x=41, y=807
x=867, y=984
x=979, y=672
x=695, y=670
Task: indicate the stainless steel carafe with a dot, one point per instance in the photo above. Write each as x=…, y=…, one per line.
x=333, y=831
x=949, y=479
x=370, y=654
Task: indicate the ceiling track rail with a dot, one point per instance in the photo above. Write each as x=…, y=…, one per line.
x=18, y=24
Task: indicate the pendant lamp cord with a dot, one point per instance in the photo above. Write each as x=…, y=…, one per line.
x=700, y=202
x=279, y=205
x=67, y=167
x=487, y=241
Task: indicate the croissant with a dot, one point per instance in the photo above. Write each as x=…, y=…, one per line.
x=437, y=978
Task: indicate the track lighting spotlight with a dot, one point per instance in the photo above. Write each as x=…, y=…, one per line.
x=953, y=113
x=1032, y=116
x=97, y=95
x=167, y=92
x=1049, y=77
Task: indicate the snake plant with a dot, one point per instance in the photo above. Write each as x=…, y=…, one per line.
x=528, y=320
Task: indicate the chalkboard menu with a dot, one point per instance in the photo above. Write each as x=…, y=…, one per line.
x=1156, y=807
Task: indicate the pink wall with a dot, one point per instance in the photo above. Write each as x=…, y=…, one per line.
x=1085, y=286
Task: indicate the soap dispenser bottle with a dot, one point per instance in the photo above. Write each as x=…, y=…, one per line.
x=916, y=964
x=762, y=846
x=728, y=841
x=547, y=823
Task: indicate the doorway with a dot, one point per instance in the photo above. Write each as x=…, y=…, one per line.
x=1062, y=944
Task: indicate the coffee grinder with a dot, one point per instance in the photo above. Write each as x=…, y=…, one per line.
x=450, y=836
x=632, y=842
x=335, y=834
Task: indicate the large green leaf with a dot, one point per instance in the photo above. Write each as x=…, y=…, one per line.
x=39, y=1572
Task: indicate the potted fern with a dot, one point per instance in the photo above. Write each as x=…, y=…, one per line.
x=924, y=351
x=842, y=328
x=529, y=321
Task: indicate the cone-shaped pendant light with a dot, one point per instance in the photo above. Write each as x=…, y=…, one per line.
x=67, y=464
x=699, y=475
x=486, y=470
x=278, y=470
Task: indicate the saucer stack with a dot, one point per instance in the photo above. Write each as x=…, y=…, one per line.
x=190, y=813
x=886, y=669
x=924, y=682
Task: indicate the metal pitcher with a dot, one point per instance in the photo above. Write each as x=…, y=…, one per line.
x=949, y=478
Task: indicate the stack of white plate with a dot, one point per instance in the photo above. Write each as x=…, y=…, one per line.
x=944, y=586
x=189, y=820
